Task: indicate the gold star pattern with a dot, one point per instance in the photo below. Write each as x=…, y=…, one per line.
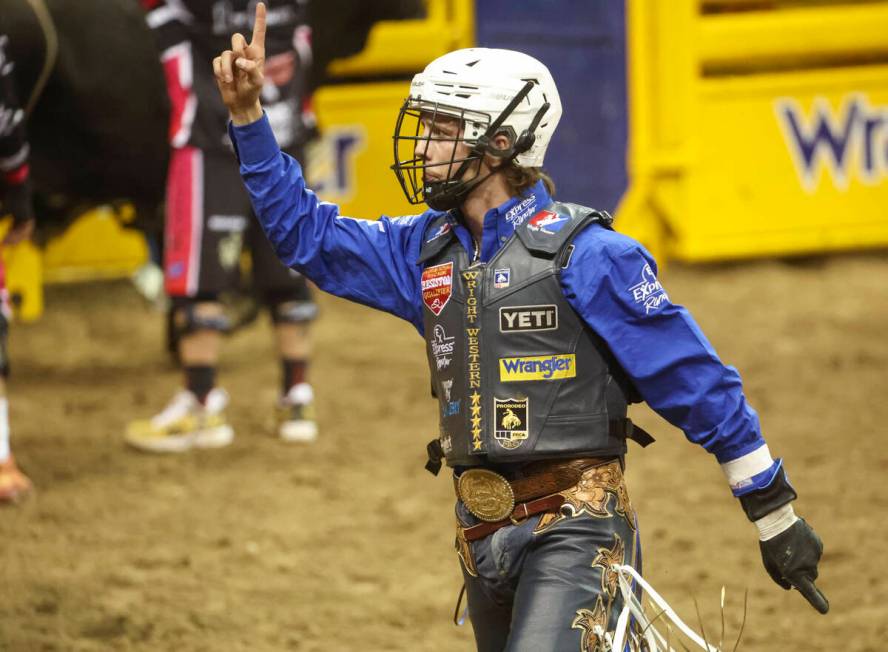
x=476, y=421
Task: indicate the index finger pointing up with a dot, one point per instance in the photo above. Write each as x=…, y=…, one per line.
x=259, y=27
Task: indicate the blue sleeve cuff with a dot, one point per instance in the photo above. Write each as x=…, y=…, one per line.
x=759, y=481
x=255, y=142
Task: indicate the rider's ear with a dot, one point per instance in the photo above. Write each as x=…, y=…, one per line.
x=498, y=147
x=502, y=142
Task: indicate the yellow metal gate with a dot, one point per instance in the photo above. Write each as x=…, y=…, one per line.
x=757, y=127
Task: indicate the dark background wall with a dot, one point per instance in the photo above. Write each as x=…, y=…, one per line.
x=583, y=42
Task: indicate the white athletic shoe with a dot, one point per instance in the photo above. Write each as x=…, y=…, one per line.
x=296, y=420
x=184, y=424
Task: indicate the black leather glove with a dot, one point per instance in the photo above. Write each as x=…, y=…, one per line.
x=791, y=560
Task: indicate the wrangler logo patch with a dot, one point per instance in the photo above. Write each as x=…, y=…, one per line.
x=516, y=319
x=538, y=367
x=437, y=286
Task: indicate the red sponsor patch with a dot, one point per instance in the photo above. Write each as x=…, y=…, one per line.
x=437, y=286
x=547, y=222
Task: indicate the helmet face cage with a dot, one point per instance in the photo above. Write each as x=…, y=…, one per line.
x=411, y=144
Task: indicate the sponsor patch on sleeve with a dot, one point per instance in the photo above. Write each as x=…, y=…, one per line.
x=649, y=293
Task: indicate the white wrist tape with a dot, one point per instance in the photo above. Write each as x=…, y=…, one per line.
x=740, y=472
x=776, y=522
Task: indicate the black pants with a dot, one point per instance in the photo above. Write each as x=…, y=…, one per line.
x=209, y=222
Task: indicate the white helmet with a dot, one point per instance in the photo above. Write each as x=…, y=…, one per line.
x=492, y=92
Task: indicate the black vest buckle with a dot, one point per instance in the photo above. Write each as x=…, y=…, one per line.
x=436, y=454
x=628, y=430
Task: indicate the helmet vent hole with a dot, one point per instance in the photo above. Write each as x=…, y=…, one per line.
x=469, y=65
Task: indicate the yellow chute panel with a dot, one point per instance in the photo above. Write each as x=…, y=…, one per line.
x=349, y=165
x=95, y=246
x=757, y=133
x=406, y=46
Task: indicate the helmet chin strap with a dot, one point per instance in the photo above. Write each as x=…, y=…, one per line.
x=449, y=194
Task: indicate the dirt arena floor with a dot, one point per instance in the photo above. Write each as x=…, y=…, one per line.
x=346, y=544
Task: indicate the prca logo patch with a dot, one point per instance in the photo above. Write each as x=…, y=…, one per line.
x=547, y=222
x=437, y=286
x=510, y=417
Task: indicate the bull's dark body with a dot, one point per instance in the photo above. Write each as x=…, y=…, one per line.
x=98, y=130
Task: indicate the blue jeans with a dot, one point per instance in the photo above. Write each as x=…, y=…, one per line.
x=543, y=585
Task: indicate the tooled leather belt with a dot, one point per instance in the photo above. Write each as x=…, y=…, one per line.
x=498, y=500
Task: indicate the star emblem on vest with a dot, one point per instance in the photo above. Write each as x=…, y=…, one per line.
x=477, y=442
x=547, y=222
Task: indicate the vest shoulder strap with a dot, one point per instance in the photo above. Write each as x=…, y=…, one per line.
x=547, y=232
x=437, y=236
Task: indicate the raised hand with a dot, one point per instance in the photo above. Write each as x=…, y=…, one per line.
x=239, y=72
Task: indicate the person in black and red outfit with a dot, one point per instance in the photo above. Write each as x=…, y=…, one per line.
x=209, y=220
x=15, y=199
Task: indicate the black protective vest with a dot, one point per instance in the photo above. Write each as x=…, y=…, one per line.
x=518, y=374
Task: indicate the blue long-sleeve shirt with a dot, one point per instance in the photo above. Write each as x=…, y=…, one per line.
x=611, y=283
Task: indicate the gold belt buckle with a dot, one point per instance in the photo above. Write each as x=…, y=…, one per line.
x=486, y=494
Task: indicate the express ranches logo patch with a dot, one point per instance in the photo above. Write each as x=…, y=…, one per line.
x=649, y=292
x=442, y=347
x=437, y=286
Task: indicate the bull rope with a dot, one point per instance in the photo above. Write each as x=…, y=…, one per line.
x=47, y=26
